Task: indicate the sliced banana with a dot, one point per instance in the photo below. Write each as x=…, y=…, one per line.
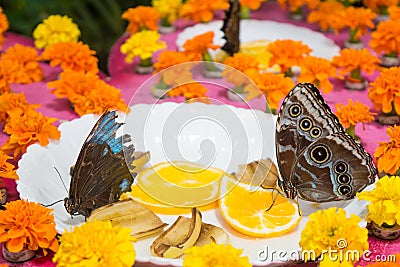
x=259, y=173
x=176, y=239
x=211, y=234
x=130, y=214
x=141, y=158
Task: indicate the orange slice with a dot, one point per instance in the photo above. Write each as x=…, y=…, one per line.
x=250, y=212
x=176, y=187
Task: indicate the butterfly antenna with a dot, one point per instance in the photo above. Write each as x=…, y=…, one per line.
x=59, y=175
x=298, y=205
x=274, y=198
x=49, y=205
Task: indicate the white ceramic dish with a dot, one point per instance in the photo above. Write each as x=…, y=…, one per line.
x=252, y=30
x=218, y=135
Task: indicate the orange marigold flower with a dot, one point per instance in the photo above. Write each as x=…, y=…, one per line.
x=189, y=90
x=274, y=86
x=4, y=25
x=141, y=18
x=388, y=153
x=317, y=71
x=75, y=56
x=200, y=44
x=358, y=20
x=387, y=263
x=386, y=38
x=7, y=170
x=295, y=5
x=242, y=62
x=394, y=12
x=101, y=98
x=353, y=113
x=288, y=53
x=384, y=92
x=168, y=58
x=202, y=11
x=354, y=61
x=25, y=224
x=252, y=4
x=5, y=68
x=26, y=64
x=73, y=84
x=14, y=101
x=380, y=6
x=26, y=128
x=326, y=14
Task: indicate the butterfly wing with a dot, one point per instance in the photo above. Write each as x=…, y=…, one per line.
x=334, y=167
x=303, y=120
x=101, y=172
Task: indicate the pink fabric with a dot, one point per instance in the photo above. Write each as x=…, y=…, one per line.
x=123, y=76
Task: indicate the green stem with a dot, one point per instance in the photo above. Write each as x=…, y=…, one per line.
x=162, y=84
x=165, y=22
x=351, y=130
x=244, y=12
x=147, y=62
x=383, y=10
x=268, y=109
x=209, y=62
x=356, y=74
x=289, y=73
x=392, y=54
x=353, y=33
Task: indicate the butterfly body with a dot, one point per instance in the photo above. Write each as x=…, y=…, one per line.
x=101, y=172
x=317, y=160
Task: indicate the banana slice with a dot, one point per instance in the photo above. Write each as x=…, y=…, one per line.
x=180, y=236
x=211, y=233
x=130, y=214
x=262, y=172
x=141, y=158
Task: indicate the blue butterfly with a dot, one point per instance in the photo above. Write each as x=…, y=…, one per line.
x=101, y=172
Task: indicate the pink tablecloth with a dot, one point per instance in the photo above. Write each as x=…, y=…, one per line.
x=123, y=76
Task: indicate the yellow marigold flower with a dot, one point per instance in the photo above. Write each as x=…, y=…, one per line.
x=202, y=11
x=353, y=113
x=252, y=4
x=326, y=14
x=384, y=201
x=28, y=128
x=317, y=71
x=24, y=63
x=274, y=86
x=331, y=229
x=168, y=10
x=25, y=224
x=189, y=90
x=96, y=243
x=216, y=255
x=358, y=20
x=100, y=99
x=384, y=92
x=7, y=170
x=75, y=56
x=200, y=44
x=141, y=18
x=55, y=29
x=380, y=6
x=14, y=101
x=295, y=5
x=288, y=53
x=353, y=61
x=387, y=154
x=142, y=44
x=386, y=38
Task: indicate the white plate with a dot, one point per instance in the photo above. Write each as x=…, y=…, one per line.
x=251, y=30
x=218, y=135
